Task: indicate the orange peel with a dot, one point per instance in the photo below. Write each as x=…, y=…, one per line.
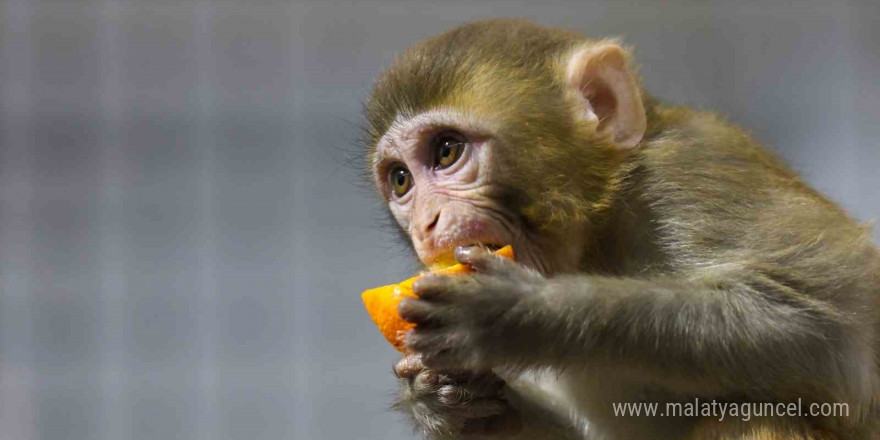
x=381, y=302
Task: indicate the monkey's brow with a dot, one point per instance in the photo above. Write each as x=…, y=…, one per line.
x=381, y=157
x=435, y=120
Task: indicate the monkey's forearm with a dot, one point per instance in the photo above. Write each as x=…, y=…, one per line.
x=745, y=333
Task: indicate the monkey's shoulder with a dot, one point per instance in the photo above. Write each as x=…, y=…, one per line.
x=715, y=195
x=693, y=157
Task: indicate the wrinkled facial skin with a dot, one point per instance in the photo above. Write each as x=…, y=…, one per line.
x=457, y=205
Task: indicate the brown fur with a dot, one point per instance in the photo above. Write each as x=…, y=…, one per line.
x=498, y=64
x=698, y=201
x=758, y=429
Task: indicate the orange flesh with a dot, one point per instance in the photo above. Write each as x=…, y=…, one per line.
x=381, y=302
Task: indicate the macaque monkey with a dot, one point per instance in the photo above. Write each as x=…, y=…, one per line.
x=662, y=254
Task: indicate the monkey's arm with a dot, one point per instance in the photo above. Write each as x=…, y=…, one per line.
x=729, y=333
x=736, y=332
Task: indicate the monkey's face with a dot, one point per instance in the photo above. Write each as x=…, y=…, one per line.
x=446, y=186
x=433, y=170
x=478, y=138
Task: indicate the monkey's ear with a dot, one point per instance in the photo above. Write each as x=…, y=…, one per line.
x=601, y=77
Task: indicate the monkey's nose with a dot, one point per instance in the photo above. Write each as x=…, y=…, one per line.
x=425, y=226
x=430, y=227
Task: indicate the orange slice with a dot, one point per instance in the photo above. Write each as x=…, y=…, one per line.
x=381, y=302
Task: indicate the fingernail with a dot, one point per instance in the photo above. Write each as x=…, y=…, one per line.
x=403, y=307
x=463, y=252
x=423, y=281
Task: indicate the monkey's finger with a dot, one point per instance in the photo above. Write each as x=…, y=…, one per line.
x=481, y=384
x=418, y=312
x=483, y=261
x=409, y=366
x=425, y=382
x=454, y=395
x=435, y=346
x=453, y=376
x=443, y=352
x=435, y=287
x=465, y=391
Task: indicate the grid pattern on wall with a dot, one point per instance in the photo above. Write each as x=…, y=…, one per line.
x=181, y=243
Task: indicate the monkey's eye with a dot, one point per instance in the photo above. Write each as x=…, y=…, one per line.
x=447, y=148
x=400, y=179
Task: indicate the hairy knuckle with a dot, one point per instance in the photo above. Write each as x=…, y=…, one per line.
x=452, y=394
x=426, y=378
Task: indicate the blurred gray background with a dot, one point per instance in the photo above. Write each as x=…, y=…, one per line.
x=182, y=247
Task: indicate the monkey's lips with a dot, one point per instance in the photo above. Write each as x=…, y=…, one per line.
x=438, y=249
x=446, y=256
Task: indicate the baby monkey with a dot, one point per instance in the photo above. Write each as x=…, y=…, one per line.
x=663, y=255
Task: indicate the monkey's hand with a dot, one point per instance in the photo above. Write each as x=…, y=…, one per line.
x=454, y=404
x=476, y=321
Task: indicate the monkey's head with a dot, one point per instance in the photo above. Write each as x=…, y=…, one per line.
x=503, y=132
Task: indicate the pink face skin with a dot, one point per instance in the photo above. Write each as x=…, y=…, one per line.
x=448, y=207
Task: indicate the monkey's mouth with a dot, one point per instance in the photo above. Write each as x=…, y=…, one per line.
x=463, y=232
x=491, y=246
x=446, y=257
